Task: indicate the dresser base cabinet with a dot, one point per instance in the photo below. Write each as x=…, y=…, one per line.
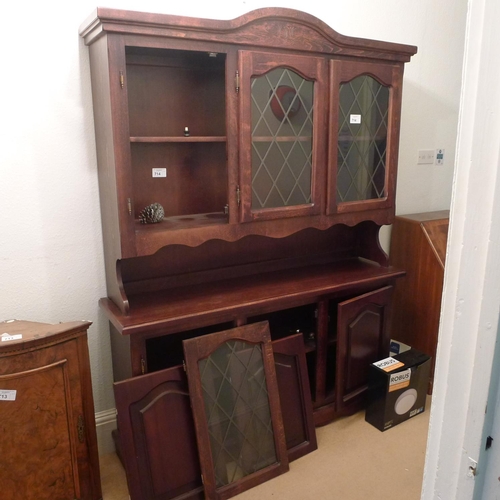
x=49, y=446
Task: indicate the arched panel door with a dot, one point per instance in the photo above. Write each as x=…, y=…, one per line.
x=362, y=339
x=157, y=437
x=365, y=109
x=282, y=134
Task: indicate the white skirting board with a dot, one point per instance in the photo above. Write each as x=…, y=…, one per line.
x=105, y=423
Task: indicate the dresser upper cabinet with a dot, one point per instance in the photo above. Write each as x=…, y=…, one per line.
x=231, y=125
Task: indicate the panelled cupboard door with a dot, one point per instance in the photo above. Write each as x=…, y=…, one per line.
x=282, y=133
x=157, y=436
x=362, y=339
x=365, y=108
x=295, y=395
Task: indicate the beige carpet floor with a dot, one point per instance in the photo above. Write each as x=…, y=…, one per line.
x=354, y=461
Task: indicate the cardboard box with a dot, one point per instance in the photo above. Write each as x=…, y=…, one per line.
x=398, y=347
x=397, y=388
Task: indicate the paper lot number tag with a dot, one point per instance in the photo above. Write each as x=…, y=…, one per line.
x=8, y=395
x=6, y=337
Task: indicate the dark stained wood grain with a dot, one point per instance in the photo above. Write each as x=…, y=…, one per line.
x=220, y=301
x=152, y=238
x=157, y=439
x=363, y=338
x=273, y=27
x=181, y=84
x=214, y=260
x=295, y=395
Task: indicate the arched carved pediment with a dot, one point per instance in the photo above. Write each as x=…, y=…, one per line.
x=267, y=27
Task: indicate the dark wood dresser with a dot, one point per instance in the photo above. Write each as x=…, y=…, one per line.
x=245, y=169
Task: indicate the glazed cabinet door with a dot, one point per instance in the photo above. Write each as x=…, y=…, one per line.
x=157, y=439
x=282, y=133
x=365, y=108
x=236, y=409
x=362, y=338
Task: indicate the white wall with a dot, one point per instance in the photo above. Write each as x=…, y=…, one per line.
x=51, y=263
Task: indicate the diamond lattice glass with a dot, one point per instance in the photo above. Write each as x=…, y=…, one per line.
x=362, y=142
x=282, y=123
x=238, y=413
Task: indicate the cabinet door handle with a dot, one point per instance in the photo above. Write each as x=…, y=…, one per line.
x=80, y=426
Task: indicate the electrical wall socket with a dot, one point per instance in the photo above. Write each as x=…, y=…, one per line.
x=425, y=157
x=439, y=156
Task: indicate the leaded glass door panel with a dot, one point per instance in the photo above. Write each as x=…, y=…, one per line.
x=283, y=125
x=234, y=395
x=364, y=135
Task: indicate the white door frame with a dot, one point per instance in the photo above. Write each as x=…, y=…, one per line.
x=471, y=296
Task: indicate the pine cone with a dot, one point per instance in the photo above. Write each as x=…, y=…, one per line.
x=152, y=214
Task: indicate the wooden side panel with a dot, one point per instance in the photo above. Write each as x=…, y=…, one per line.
x=436, y=232
x=418, y=244
x=295, y=396
x=106, y=160
x=362, y=339
x=157, y=436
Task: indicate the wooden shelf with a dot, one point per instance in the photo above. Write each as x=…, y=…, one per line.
x=291, y=138
x=182, y=308
x=176, y=139
x=183, y=222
